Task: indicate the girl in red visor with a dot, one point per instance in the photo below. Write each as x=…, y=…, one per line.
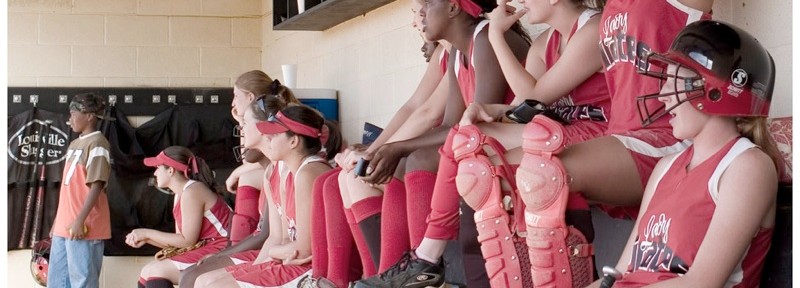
x=201, y=217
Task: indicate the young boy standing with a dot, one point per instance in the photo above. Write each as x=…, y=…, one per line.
x=82, y=219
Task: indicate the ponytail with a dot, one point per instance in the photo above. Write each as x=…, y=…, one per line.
x=196, y=167
x=756, y=129
x=199, y=171
x=333, y=144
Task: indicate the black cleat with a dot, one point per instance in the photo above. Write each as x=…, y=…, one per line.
x=310, y=282
x=409, y=272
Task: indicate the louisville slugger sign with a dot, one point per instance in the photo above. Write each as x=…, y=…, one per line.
x=29, y=144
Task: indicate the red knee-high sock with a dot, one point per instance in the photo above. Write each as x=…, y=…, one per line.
x=319, y=241
x=444, y=220
x=245, y=217
x=363, y=250
x=340, y=239
x=419, y=191
x=367, y=213
x=394, y=224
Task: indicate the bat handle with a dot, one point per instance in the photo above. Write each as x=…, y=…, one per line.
x=610, y=275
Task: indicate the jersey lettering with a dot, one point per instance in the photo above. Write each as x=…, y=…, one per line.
x=652, y=253
x=617, y=46
x=73, y=164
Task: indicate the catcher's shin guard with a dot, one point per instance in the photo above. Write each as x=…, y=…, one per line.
x=479, y=184
x=560, y=255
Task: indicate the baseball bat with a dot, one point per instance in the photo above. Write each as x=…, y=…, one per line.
x=26, y=219
x=38, y=214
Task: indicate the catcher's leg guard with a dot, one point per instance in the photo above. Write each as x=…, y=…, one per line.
x=560, y=255
x=479, y=184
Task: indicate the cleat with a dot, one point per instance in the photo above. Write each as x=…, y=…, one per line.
x=409, y=272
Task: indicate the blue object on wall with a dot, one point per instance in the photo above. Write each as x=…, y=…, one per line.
x=370, y=133
x=324, y=100
x=328, y=107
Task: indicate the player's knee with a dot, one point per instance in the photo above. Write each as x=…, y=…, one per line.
x=204, y=280
x=423, y=159
x=150, y=270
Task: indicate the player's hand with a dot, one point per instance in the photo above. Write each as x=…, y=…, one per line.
x=383, y=163
x=292, y=260
x=137, y=238
x=349, y=157
x=235, y=114
x=232, y=183
x=504, y=16
x=77, y=230
x=475, y=113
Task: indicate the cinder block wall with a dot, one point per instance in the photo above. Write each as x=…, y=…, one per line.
x=373, y=60
x=132, y=42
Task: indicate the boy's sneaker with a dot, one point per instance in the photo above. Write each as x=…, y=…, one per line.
x=410, y=272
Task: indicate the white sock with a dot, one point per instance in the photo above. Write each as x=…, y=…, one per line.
x=422, y=256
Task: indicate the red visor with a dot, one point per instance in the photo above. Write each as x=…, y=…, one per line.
x=279, y=123
x=163, y=159
x=470, y=7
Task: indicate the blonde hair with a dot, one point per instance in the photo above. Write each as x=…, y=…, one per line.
x=258, y=83
x=757, y=130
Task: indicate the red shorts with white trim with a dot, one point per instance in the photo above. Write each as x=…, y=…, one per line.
x=647, y=147
x=268, y=274
x=189, y=258
x=245, y=256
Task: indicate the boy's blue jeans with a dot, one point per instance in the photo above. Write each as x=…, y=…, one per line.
x=74, y=263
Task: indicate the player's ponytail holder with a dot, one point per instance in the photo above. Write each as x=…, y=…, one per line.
x=324, y=135
x=193, y=165
x=274, y=87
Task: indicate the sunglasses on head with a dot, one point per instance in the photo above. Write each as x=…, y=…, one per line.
x=261, y=100
x=274, y=119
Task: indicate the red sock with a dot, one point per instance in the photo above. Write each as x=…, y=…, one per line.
x=366, y=207
x=394, y=224
x=367, y=214
x=419, y=191
x=361, y=244
x=246, y=216
x=576, y=201
x=340, y=239
x=319, y=241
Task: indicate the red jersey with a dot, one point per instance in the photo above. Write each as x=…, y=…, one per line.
x=465, y=72
x=272, y=188
x=214, y=219
x=593, y=90
x=287, y=208
x=443, y=60
x=661, y=252
x=629, y=30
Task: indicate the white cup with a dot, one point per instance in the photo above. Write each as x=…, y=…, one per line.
x=289, y=75
x=301, y=6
